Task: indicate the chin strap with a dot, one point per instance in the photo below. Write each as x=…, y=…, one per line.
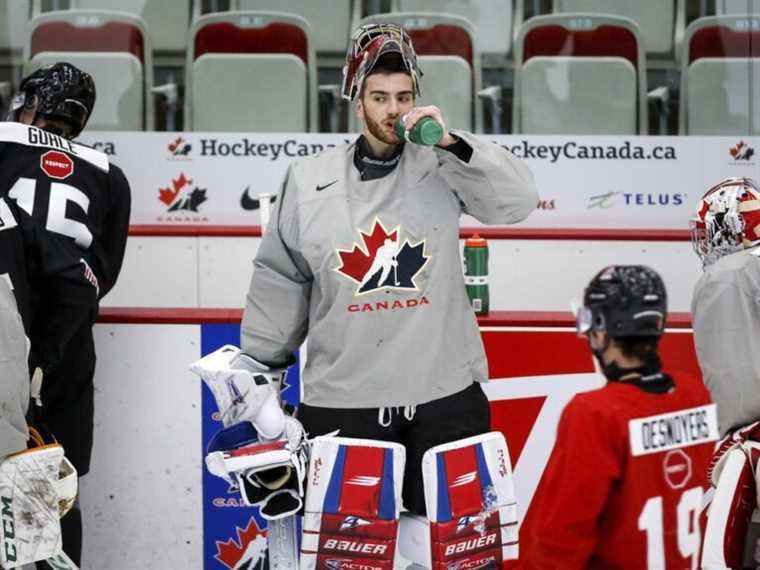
x=649, y=376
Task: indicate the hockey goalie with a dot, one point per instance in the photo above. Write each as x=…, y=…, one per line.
x=353, y=487
x=726, y=237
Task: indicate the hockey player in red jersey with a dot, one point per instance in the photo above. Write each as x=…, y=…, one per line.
x=624, y=485
x=726, y=236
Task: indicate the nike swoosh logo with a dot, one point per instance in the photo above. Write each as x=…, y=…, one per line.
x=248, y=203
x=320, y=188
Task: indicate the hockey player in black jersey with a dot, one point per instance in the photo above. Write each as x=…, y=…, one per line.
x=33, y=469
x=82, y=202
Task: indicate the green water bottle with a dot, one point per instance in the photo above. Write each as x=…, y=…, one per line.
x=476, y=273
x=427, y=131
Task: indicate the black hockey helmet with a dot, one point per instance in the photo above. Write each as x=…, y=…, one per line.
x=624, y=301
x=61, y=91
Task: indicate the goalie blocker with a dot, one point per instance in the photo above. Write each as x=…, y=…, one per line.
x=37, y=487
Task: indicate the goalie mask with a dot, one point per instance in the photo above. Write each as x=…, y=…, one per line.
x=368, y=44
x=61, y=92
x=624, y=301
x=727, y=219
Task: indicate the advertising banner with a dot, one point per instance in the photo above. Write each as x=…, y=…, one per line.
x=234, y=535
x=584, y=182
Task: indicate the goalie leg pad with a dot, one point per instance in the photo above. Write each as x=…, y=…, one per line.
x=353, y=499
x=729, y=513
x=471, y=508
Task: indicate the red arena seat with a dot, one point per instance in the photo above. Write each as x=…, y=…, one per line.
x=720, y=76
x=239, y=63
x=114, y=48
x=581, y=74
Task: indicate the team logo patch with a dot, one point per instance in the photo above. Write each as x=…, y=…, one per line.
x=57, y=164
x=383, y=261
x=248, y=551
x=677, y=467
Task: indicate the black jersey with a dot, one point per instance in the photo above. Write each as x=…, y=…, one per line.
x=72, y=192
x=79, y=209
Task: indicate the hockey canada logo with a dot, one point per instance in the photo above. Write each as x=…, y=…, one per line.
x=179, y=147
x=249, y=551
x=183, y=199
x=741, y=152
x=382, y=261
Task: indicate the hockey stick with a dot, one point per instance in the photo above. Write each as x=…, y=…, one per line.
x=282, y=540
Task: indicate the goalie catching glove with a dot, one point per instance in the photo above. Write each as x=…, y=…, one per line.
x=260, y=451
x=268, y=474
x=37, y=487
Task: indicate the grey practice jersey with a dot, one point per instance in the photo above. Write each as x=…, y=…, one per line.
x=14, y=374
x=372, y=271
x=726, y=313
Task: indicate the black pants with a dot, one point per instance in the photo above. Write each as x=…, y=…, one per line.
x=67, y=397
x=454, y=417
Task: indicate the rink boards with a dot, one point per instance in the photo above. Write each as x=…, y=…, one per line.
x=148, y=500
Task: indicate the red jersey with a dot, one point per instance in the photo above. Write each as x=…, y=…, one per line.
x=624, y=485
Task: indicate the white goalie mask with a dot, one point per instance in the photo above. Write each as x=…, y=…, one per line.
x=727, y=219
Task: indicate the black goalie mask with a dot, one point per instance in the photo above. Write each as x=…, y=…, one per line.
x=61, y=92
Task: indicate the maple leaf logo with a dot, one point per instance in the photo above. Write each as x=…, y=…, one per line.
x=382, y=261
x=742, y=151
x=168, y=195
x=179, y=147
x=249, y=551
